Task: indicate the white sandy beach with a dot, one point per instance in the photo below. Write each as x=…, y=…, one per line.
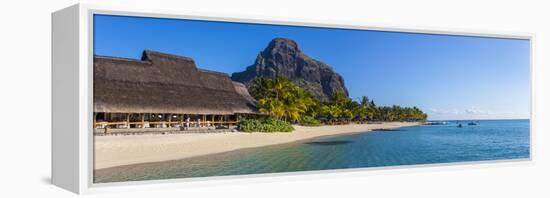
x=113, y=151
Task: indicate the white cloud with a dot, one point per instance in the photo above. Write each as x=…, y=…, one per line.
x=478, y=112
x=443, y=111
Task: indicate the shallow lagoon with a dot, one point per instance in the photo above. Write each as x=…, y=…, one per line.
x=489, y=140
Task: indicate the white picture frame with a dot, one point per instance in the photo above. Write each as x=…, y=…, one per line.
x=72, y=97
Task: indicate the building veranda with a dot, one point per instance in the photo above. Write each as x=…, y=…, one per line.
x=163, y=93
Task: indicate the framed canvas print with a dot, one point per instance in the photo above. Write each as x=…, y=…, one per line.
x=148, y=97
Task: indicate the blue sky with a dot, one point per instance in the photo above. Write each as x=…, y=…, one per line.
x=448, y=77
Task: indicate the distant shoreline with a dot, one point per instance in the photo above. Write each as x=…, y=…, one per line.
x=112, y=151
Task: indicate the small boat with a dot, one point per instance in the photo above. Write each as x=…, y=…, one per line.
x=459, y=126
x=472, y=123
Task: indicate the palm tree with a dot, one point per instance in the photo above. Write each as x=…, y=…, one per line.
x=261, y=88
x=366, y=109
x=280, y=98
x=331, y=111
x=272, y=106
x=340, y=98
x=297, y=102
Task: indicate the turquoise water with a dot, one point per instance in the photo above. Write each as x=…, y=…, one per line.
x=489, y=140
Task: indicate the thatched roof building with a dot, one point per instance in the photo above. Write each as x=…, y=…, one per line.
x=164, y=83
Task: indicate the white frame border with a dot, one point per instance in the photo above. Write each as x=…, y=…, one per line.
x=85, y=146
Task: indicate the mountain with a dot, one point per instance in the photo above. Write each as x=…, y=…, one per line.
x=283, y=57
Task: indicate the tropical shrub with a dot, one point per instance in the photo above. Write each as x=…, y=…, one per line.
x=309, y=121
x=264, y=125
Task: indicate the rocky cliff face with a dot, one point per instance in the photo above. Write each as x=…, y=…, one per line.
x=283, y=57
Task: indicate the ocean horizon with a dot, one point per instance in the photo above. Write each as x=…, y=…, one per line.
x=487, y=119
x=416, y=145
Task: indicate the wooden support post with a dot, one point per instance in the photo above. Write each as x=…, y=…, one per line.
x=150, y=119
x=127, y=120
x=142, y=120
x=186, y=123
x=225, y=120
x=105, y=120
x=169, y=120
x=163, y=120
x=213, y=120
x=95, y=115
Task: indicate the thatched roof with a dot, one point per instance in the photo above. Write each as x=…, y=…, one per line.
x=164, y=83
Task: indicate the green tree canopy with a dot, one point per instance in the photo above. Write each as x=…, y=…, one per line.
x=281, y=98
